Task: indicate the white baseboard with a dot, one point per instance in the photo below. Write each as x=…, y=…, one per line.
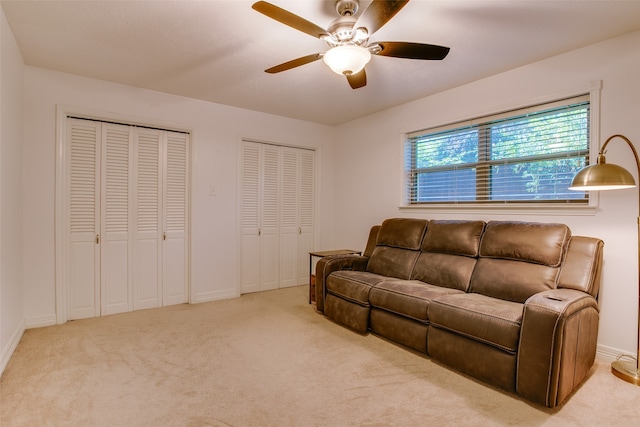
x=609, y=354
x=214, y=296
x=11, y=346
x=40, y=321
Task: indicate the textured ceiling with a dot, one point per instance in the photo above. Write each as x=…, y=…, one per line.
x=217, y=50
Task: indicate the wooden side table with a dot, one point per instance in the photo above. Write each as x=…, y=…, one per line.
x=322, y=254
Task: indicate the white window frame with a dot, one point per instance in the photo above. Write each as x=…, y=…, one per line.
x=538, y=208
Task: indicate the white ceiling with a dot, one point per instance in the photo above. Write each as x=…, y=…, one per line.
x=216, y=50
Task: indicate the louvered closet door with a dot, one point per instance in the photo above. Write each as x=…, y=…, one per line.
x=277, y=205
x=127, y=218
x=147, y=241
x=250, y=217
x=296, y=233
x=306, y=209
x=83, y=218
x=269, y=218
x=289, y=223
x=175, y=247
x=260, y=217
x=115, y=281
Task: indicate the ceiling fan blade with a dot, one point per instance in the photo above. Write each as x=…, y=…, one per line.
x=357, y=80
x=290, y=19
x=378, y=13
x=293, y=63
x=412, y=50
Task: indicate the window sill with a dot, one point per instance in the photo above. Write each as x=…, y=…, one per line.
x=511, y=209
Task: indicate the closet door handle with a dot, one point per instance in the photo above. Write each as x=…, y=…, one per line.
x=164, y=236
x=97, y=239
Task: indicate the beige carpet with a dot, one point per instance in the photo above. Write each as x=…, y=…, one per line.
x=264, y=359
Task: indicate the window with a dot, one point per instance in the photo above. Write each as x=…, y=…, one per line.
x=524, y=156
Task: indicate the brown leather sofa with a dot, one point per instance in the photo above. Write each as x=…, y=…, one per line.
x=513, y=304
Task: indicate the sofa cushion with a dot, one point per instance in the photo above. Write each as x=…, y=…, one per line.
x=397, y=247
x=409, y=298
x=539, y=243
x=353, y=286
x=448, y=253
x=406, y=233
x=450, y=271
x=519, y=259
x=488, y=320
x=453, y=237
x=511, y=280
x=392, y=262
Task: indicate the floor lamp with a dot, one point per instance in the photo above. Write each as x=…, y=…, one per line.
x=604, y=176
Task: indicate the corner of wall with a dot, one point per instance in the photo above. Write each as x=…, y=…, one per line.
x=10, y=347
x=12, y=323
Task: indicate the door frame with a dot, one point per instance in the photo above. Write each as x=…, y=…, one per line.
x=61, y=255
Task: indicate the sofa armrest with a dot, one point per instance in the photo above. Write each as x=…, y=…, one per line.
x=558, y=342
x=328, y=265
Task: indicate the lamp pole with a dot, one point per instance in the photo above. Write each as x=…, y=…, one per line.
x=619, y=368
x=603, y=176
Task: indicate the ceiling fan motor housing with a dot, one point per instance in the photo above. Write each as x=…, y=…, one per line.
x=347, y=7
x=341, y=29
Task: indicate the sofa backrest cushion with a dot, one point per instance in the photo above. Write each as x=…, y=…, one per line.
x=453, y=237
x=582, y=266
x=539, y=243
x=405, y=233
x=397, y=247
x=519, y=259
x=449, y=252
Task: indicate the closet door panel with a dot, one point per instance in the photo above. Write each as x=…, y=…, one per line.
x=84, y=278
x=83, y=218
x=175, y=248
x=306, y=201
x=115, y=275
x=289, y=229
x=269, y=227
x=250, y=218
x=116, y=165
x=174, y=272
x=147, y=283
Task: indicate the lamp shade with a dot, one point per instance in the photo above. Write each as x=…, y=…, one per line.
x=602, y=176
x=347, y=59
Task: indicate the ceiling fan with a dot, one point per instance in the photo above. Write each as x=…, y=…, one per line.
x=348, y=38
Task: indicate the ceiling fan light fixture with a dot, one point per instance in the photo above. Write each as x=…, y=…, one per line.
x=347, y=59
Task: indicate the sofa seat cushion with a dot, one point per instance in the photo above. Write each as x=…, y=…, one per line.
x=409, y=298
x=489, y=320
x=353, y=285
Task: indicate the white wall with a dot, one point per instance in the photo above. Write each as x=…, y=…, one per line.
x=11, y=296
x=368, y=157
x=217, y=130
